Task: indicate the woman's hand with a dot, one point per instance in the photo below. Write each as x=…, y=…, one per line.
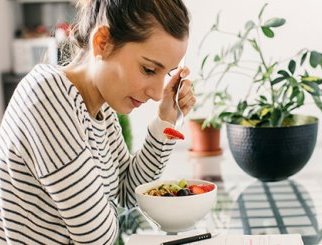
x=167, y=108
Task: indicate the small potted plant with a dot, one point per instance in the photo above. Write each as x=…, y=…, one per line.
x=205, y=131
x=267, y=139
x=205, y=127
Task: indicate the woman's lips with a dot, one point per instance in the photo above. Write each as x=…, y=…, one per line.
x=135, y=102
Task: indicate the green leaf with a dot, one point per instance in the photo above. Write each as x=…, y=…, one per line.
x=204, y=61
x=300, y=98
x=280, y=92
x=125, y=123
x=288, y=107
x=276, y=118
x=292, y=81
x=267, y=32
x=292, y=66
x=288, y=93
x=254, y=44
x=295, y=92
x=274, y=22
x=225, y=114
x=264, y=111
x=277, y=80
x=230, y=117
x=313, y=79
x=213, y=121
x=268, y=73
x=283, y=73
x=262, y=11
x=216, y=25
x=312, y=88
x=317, y=101
x=303, y=58
x=315, y=59
x=217, y=58
x=241, y=106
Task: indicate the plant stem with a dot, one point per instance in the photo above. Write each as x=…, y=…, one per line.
x=266, y=68
x=232, y=72
x=212, y=70
x=203, y=40
x=222, y=76
x=228, y=33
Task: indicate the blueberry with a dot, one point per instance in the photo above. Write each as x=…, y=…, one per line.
x=183, y=192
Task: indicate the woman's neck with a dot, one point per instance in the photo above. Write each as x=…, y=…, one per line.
x=79, y=75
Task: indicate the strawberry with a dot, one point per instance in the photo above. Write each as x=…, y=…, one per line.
x=171, y=133
x=207, y=187
x=195, y=189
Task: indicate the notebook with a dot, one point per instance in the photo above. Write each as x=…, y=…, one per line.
x=278, y=239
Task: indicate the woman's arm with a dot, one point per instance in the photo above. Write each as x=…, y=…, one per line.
x=145, y=165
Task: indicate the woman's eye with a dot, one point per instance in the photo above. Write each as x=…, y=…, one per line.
x=148, y=71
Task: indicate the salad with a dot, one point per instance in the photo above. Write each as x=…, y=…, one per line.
x=182, y=188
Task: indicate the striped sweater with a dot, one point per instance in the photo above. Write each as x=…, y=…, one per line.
x=63, y=172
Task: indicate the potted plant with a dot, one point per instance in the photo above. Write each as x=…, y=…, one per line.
x=205, y=132
x=267, y=139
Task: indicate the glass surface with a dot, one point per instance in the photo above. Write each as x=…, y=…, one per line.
x=245, y=205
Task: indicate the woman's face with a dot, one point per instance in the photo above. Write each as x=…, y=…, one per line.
x=135, y=73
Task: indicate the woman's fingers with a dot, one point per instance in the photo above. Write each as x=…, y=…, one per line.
x=173, y=83
x=184, y=72
x=167, y=107
x=186, y=97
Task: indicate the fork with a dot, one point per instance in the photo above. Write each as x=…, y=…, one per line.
x=179, y=119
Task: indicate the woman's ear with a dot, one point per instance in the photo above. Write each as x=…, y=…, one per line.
x=101, y=41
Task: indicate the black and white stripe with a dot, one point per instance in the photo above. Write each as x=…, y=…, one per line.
x=62, y=171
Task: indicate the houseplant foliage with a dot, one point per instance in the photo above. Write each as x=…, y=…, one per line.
x=266, y=138
x=126, y=129
x=280, y=87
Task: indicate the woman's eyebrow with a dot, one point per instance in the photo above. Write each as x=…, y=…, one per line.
x=173, y=69
x=158, y=63
x=154, y=62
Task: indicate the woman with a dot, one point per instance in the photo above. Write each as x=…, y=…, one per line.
x=64, y=164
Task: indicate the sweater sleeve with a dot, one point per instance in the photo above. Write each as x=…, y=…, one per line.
x=145, y=165
x=77, y=190
x=74, y=184
x=54, y=144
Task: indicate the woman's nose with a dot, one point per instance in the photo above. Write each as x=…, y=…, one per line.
x=155, y=91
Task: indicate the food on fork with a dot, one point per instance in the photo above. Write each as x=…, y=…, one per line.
x=171, y=133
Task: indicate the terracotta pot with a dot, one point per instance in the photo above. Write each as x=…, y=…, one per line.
x=205, y=142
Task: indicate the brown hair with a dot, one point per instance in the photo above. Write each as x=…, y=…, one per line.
x=128, y=20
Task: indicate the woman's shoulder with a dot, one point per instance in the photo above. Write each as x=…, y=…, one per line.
x=46, y=85
x=46, y=75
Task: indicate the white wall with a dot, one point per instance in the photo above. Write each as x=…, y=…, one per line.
x=5, y=36
x=7, y=21
x=303, y=29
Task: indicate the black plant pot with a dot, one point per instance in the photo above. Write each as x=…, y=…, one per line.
x=273, y=154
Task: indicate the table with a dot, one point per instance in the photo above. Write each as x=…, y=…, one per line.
x=244, y=204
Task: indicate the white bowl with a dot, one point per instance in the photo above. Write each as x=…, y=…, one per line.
x=178, y=213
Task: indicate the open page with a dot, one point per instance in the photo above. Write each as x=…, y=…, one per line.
x=285, y=239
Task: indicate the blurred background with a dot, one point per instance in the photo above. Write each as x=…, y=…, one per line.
x=30, y=27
